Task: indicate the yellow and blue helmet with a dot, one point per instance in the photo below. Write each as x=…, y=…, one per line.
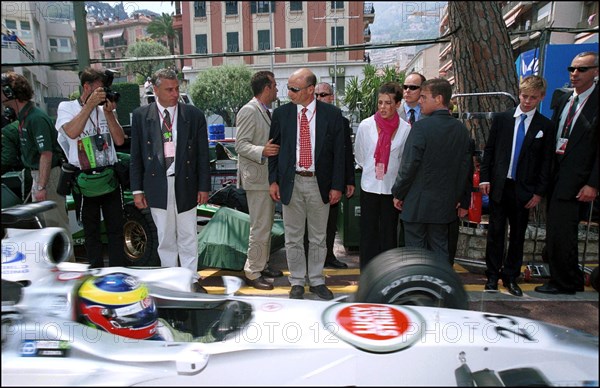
x=119, y=304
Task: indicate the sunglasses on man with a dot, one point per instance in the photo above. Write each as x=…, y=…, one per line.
x=581, y=69
x=322, y=94
x=295, y=89
x=411, y=87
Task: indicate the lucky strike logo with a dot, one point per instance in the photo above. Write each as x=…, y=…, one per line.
x=374, y=322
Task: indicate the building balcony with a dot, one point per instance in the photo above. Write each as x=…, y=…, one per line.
x=515, y=6
x=367, y=35
x=13, y=52
x=368, y=13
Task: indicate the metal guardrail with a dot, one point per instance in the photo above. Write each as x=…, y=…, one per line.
x=16, y=45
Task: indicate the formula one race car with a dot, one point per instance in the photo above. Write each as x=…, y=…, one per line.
x=65, y=324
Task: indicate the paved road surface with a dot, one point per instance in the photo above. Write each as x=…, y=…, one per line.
x=578, y=311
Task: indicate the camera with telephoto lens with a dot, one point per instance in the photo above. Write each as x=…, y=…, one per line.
x=111, y=95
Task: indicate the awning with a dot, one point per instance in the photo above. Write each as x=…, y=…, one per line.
x=512, y=18
x=112, y=34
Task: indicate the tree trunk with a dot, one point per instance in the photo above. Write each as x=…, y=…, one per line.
x=482, y=61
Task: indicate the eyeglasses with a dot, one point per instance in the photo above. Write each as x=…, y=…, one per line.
x=411, y=87
x=581, y=69
x=296, y=90
x=322, y=94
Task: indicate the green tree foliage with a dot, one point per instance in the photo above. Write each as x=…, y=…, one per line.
x=222, y=90
x=162, y=27
x=145, y=49
x=361, y=96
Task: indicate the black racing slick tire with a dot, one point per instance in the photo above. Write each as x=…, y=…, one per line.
x=141, y=238
x=411, y=276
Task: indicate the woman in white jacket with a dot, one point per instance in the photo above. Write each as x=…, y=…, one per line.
x=378, y=150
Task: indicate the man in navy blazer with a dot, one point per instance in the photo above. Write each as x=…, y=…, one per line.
x=171, y=179
x=515, y=176
x=433, y=174
x=306, y=190
x=575, y=167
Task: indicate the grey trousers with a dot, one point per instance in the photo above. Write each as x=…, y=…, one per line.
x=306, y=209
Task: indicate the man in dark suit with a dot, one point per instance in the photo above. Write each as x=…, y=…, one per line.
x=514, y=173
x=324, y=92
x=433, y=171
x=307, y=177
x=574, y=174
x=170, y=171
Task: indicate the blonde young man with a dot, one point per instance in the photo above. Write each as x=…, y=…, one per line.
x=515, y=174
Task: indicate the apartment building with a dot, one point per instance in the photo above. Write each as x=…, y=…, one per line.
x=43, y=39
x=110, y=39
x=236, y=27
x=525, y=19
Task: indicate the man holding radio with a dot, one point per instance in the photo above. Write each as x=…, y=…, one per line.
x=88, y=131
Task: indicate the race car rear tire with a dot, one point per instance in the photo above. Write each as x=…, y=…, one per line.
x=411, y=276
x=141, y=238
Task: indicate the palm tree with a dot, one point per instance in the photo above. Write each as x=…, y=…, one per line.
x=162, y=27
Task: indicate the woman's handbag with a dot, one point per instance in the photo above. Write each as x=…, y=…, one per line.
x=96, y=182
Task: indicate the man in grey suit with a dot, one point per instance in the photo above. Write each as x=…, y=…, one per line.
x=574, y=181
x=433, y=172
x=170, y=170
x=307, y=176
x=254, y=147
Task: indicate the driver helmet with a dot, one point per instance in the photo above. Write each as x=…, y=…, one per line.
x=119, y=304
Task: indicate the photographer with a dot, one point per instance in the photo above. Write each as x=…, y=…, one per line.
x=88, y=132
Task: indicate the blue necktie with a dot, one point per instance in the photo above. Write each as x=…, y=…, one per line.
x=518, y=144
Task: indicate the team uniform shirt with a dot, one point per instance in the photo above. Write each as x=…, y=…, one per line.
x=37, y=135
x=94, y=147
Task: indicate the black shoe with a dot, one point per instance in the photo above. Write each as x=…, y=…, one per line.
x=550, y=289
x=259, y=283
x=513, y=288
x=197, y=287
x=271, y=272
x=491, y=285
x=297, y=292
x=333, y=262
x=322, y=291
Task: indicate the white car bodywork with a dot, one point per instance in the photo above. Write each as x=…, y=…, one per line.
x=268, y=341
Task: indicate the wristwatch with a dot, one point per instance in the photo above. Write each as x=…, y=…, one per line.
x=40, y=188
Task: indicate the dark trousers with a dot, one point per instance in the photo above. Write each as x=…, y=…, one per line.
x=561, y=244
x=453, y=235
x=111, y=206
x=500, y=265
x=378, y=225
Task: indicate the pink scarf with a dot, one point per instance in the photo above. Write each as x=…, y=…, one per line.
x=384, y=142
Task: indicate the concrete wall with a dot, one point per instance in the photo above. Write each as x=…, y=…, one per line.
x=472, y=241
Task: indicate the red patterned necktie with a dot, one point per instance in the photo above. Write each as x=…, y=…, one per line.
x=305, y=148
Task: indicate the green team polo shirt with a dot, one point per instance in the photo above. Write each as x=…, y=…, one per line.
x=37, y=135
x=11, y=154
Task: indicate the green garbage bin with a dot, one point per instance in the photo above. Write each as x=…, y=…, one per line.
x=348, y=223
